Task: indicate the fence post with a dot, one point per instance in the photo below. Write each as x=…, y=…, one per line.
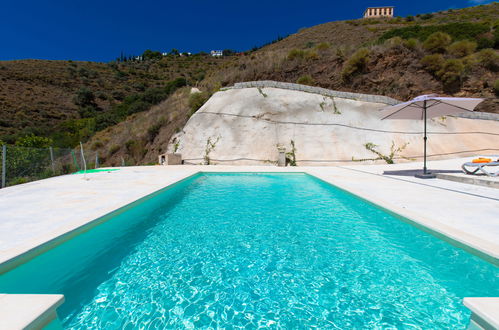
x=96, y=159
x=4, y=165
x=52, y=159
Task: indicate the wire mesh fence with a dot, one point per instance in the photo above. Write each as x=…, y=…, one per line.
x=22, y=164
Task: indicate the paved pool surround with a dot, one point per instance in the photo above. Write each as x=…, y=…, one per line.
x=36, y=216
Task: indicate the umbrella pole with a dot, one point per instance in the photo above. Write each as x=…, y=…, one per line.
x=425, y=174
x=425, y=138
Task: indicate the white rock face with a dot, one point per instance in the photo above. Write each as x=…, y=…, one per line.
x=247, y=125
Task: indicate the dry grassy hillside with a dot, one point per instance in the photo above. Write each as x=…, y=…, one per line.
x=355, y=56
x=141, y=138
x=39, y=97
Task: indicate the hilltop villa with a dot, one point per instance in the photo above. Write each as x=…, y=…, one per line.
x=372, y=12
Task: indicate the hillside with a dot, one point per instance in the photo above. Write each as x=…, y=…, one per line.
x=41, y=97
x=389, y=57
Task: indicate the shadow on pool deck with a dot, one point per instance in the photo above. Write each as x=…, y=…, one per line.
x=418, y=171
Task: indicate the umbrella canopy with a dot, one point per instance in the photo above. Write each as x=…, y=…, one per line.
x=429, y=106
x=435, y=107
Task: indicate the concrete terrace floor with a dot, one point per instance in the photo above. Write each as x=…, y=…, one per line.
x=35, y=213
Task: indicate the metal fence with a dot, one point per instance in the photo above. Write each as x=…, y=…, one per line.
x=22, y=164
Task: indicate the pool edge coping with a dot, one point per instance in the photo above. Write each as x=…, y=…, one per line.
x=29, y=311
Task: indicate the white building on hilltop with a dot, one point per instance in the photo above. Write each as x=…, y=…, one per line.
x=217, y=53
x=374, y=12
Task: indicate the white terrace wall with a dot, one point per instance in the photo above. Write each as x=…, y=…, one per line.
x=315, y=90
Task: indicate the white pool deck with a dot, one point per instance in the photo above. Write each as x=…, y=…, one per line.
x=33, y=214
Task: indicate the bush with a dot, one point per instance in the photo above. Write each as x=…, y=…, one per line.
x=151, y=55
x=394, y=42
x=323, y=46
x=153, y=131
x=485, y=43
x=296, y=54
x=311, y=55
x=496, y=87
x=33, y=141
x=84, y=97
x=305, y=80
x=197, y=100
x=458, y=31
x=411, y=43
x=118, y=95
x=97, y=145
x=489, y=59
x=101, y=95
x=356, y=63
x=114, y=149
x=462, y=48
x=437, y=42
x=433, y=63
x=450, y=74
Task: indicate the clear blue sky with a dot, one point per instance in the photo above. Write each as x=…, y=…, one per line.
x=99, y=30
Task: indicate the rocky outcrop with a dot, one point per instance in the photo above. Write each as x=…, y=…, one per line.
x=247, y=125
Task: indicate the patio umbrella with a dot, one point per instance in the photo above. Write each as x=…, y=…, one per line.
x=429, y=106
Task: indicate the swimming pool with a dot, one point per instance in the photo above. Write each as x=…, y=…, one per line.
x=272, y=250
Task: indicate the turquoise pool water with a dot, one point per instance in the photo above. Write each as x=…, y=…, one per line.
x=249, y=250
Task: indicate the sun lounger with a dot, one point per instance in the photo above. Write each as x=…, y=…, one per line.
x=480, y=167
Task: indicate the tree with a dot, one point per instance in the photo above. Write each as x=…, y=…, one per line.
x=33, y=141
x=228, y=52
x=174, y=52
x=84, y=97
x=151, y=55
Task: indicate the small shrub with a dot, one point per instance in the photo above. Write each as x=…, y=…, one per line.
x=101, y=95
x=323, y=46
x=114, y=149
x=394, y=42
x=296, y=54
x=210, y=146
x=433, y=63
x=118, y=95
x=450, y=74
x=197, y=100
x=291, y=155
x=356, y=63
x=84, y=97
x=97, y=145
x=437, y=42
x=311, y=55
x=395, y=152
x=483, y=43
x=411, y=43
x=305, y=80
x=309, y=44
x=489, y=59
x=462, y=48
x=153, y=131
x=496, y=87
